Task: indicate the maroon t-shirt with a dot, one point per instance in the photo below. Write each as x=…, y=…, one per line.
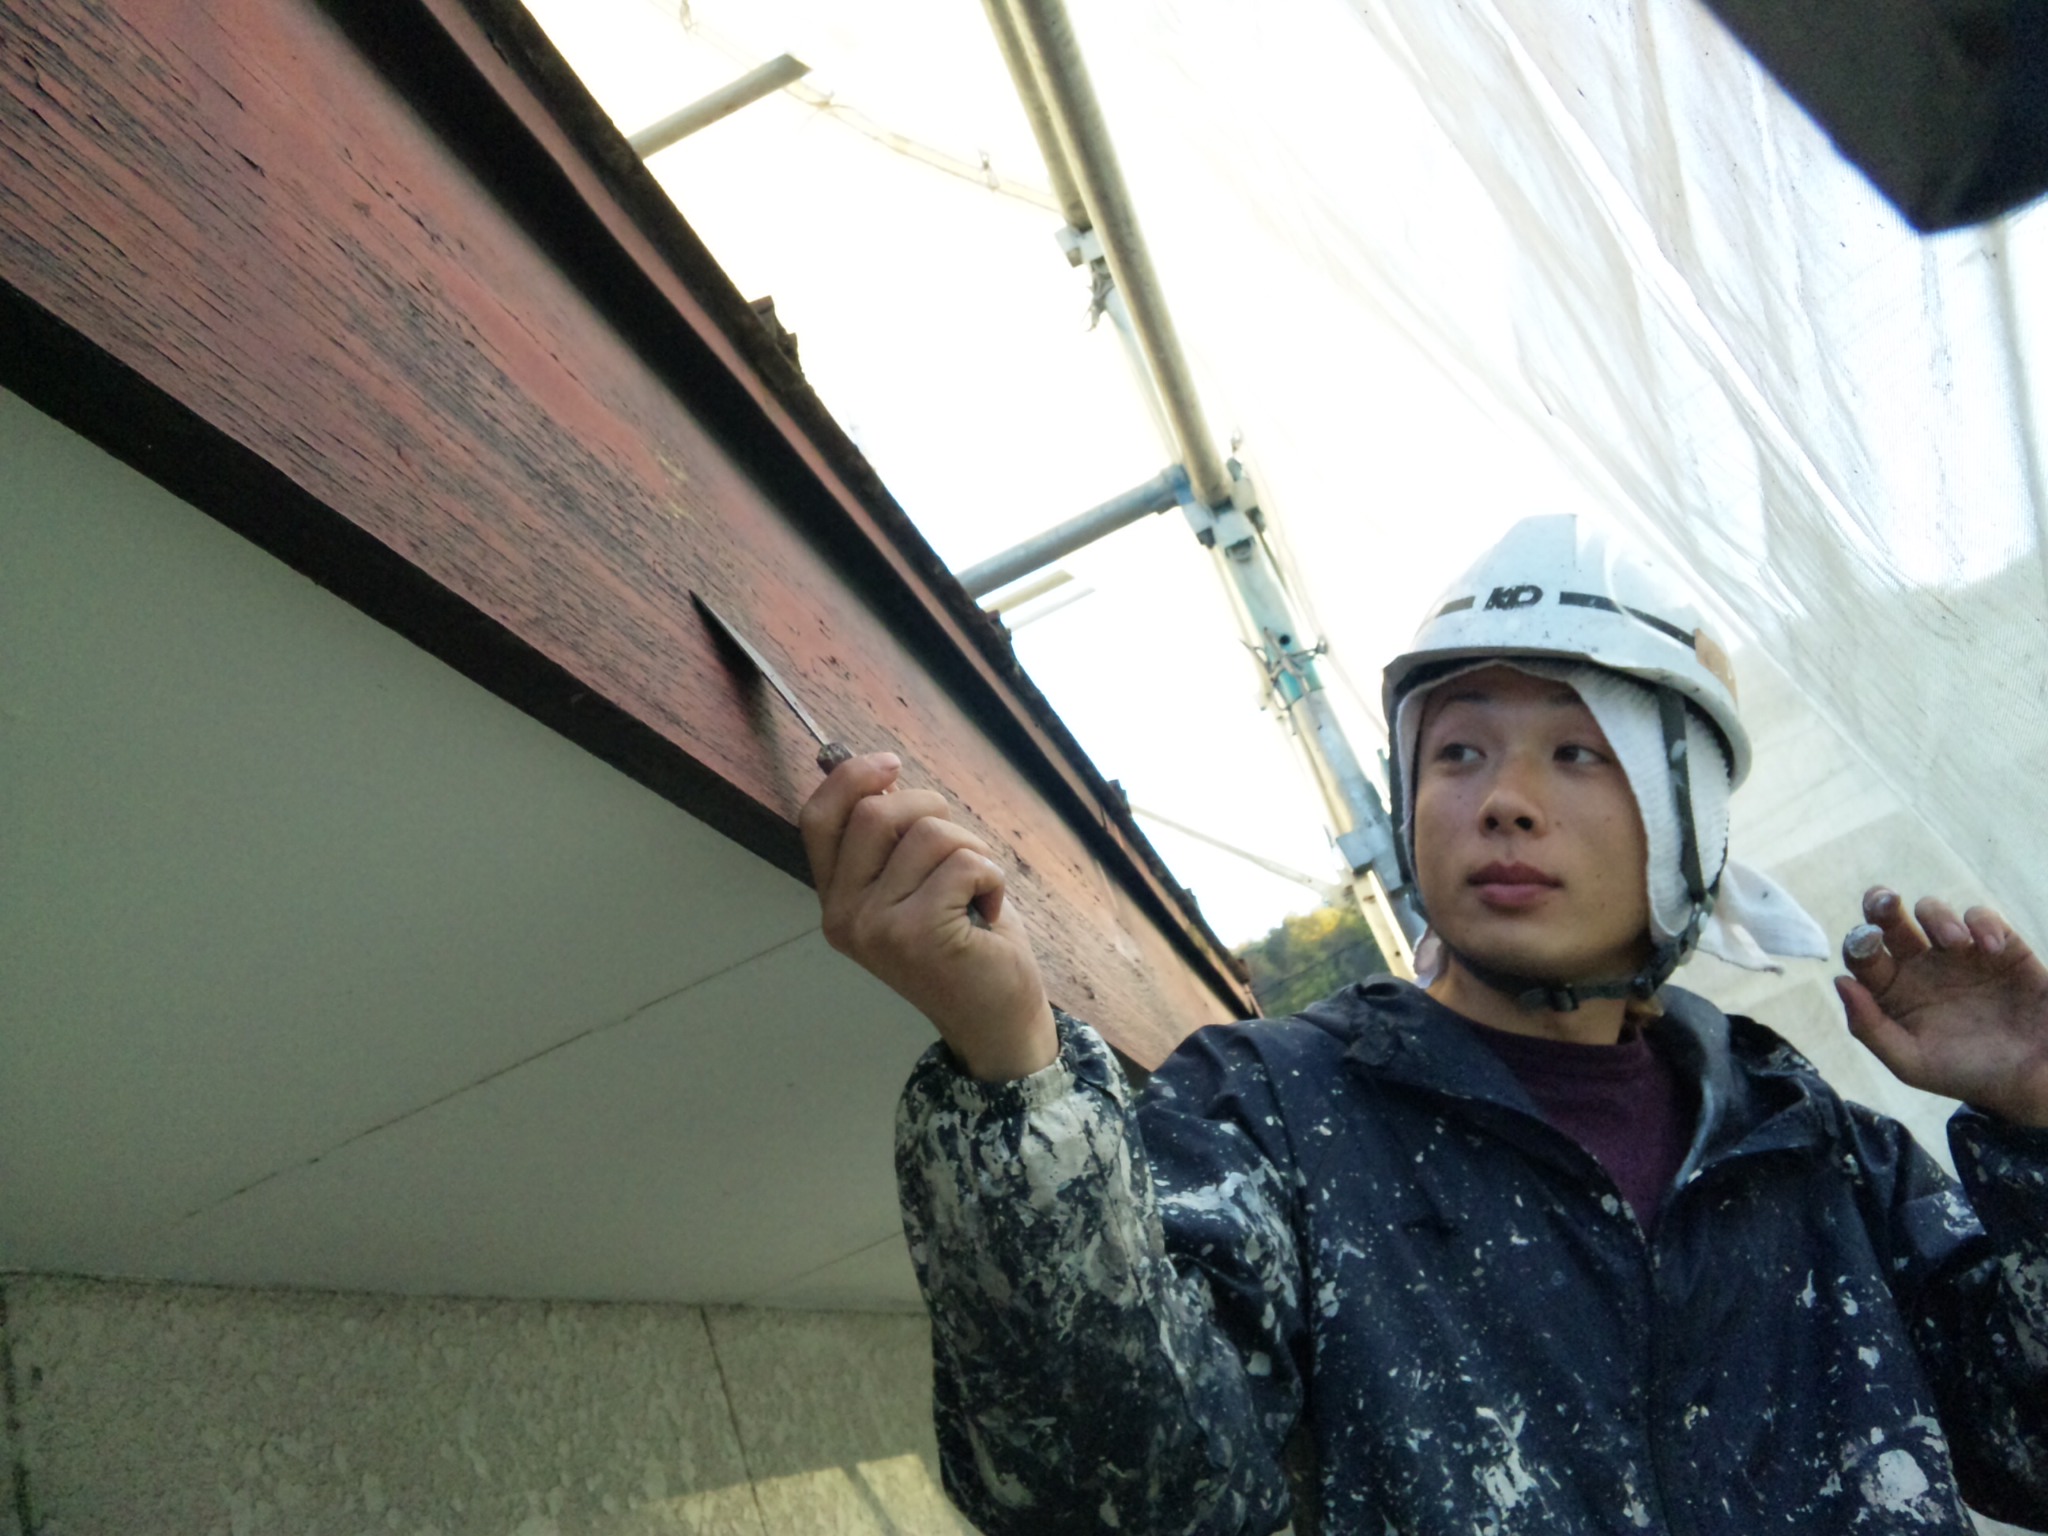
x=1622, y=1103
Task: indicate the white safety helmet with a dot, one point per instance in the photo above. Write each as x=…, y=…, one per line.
x=1562, y=592
x=1560, y=588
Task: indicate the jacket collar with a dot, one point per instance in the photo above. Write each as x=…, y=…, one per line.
x=1400, y=1034
x=1755, y=1094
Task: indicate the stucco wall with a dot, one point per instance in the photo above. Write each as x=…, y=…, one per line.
x=159, y=1410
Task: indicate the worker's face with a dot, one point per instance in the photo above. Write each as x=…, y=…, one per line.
x=1528, y=848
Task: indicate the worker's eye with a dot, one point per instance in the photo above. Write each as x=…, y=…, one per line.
x=1455, y=752
x=1580, y=753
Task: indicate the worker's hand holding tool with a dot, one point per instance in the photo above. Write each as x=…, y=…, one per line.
x=1955, y=1005
x=915, y=898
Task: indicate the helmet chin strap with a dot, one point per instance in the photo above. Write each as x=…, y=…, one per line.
x=1539, y=994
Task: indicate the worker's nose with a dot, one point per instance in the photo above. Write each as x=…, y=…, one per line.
x=1511, y=802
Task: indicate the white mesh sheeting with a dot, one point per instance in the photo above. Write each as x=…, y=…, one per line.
x=1822, y=412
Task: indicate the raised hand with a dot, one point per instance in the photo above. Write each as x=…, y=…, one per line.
x=915, y=898
x=1955, y=1005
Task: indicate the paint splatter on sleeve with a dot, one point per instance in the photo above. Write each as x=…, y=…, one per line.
x=1980, y=1320
x=1083, y=1379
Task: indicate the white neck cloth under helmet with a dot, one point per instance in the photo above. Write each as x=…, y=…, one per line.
x=1753, y=919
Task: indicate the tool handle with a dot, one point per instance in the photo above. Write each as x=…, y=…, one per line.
x=830, y=756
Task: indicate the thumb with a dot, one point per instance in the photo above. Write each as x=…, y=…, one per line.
x=1888, y=1040
x=983, y=888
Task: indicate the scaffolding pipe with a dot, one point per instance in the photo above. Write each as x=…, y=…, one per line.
x=1014, y=621
x=1155, y=495
x=1364, y=831
x=1052, y=82
x=1017, y=597
x=1032, y=96
x=769, y=78
x=1055, y=58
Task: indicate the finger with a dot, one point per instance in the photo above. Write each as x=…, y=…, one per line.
x=924, y=847
x=1943, y=928
x=822, y=821
x=966, y=883
x=986, y=906
x=1886, y=1039
x=1867, y=959
x=873, y=829
x=1883, y=908
x=987, y=886
x=1989, y=930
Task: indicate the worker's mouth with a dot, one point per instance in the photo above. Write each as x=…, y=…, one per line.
x=1512, y=887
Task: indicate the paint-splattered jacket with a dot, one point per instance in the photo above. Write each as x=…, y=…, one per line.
x=1358, y=1216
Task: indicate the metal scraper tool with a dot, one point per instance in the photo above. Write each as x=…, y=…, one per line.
x=830, y=753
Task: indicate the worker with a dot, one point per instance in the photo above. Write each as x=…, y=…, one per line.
x=1537, y=1244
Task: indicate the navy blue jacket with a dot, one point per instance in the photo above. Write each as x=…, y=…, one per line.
x=1356, y=1221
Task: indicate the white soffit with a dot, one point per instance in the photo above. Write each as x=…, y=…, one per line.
x=324, y=966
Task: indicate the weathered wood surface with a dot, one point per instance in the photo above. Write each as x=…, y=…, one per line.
x=287, y=221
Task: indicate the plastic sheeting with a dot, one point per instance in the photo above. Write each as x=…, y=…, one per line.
x=1824, y=415
x=1632, y=244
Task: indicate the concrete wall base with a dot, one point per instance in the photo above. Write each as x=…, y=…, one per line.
x=168, y=1410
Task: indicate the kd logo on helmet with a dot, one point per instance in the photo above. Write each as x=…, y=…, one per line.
x=1514, y=597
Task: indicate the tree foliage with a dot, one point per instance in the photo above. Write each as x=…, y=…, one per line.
x=1310, y=956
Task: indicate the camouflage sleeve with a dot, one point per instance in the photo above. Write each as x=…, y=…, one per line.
x=1080, y=1379
x=1982, y=1326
